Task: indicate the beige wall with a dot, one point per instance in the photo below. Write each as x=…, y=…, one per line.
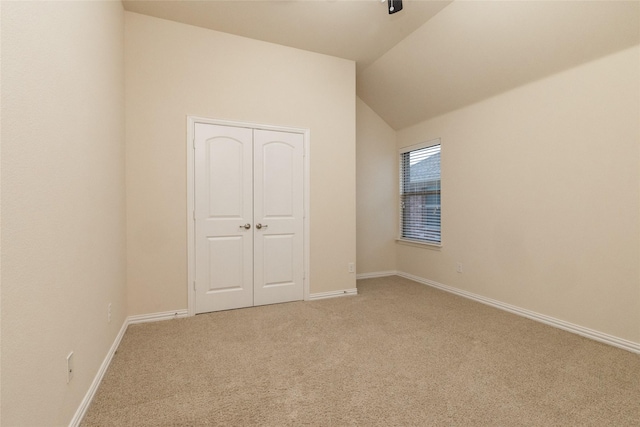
x=541, y=197
x=63, y=217
x=174, y=70
x=377, y=190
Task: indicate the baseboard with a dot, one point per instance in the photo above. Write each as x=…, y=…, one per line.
x=548, y=320
x=88, y=397
x=144, y=318
x=376, y=274
x=333, y=294
x=155, y=317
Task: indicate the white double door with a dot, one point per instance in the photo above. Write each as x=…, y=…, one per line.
x=248, y=217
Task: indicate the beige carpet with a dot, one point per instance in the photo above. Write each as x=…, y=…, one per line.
x=399, y=353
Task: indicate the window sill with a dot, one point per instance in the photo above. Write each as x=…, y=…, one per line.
x=419, y=244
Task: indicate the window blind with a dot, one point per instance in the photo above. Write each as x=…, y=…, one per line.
x=420, y=194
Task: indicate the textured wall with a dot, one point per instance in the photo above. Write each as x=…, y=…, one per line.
x=174, y=70
x=541, y=197
x=63, y=216
x=377, y=192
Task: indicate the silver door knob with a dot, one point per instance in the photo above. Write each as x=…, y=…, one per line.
x=246, y=226
x=259, y=226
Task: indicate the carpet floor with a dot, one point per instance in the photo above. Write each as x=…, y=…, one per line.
x=397, y=354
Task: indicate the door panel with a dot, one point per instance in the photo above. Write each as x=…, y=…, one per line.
x=226, y=177
x=223, y=205
x=277, y=180
x=225, y=272
x=278, y=207
x=278, y=259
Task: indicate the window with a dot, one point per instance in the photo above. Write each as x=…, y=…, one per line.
x=420, y=193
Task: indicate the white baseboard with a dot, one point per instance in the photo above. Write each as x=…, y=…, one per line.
x=548, y=320
x=376, y=274
x=155, y=317
x=88, y=397
x=144, y=318
x=333, y=294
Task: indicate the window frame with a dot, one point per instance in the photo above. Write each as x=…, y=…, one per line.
x=406, y=240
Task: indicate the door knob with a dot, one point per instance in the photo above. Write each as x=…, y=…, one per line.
x=246, y=226
x=259, y=226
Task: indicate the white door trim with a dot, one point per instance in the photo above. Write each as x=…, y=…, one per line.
x=191, y=260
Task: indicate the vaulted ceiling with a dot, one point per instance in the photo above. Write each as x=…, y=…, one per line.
x=432, y=57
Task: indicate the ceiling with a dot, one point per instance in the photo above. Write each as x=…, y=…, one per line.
x=360, y=30
x=432, y=57
x=473, y=50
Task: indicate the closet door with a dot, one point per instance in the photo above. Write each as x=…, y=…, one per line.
x=278, y=217
x=249, y=232
x=223, y=217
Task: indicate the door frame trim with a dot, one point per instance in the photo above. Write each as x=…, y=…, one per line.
x=191, y=248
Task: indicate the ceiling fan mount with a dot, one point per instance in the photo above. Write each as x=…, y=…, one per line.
x=394, y=6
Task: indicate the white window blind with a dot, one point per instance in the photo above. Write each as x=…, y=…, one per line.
x=420, y=193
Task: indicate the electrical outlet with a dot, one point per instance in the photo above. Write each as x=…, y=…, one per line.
x=69, y=367
x=109, y=313
x=459, y=267
x=352, y=267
